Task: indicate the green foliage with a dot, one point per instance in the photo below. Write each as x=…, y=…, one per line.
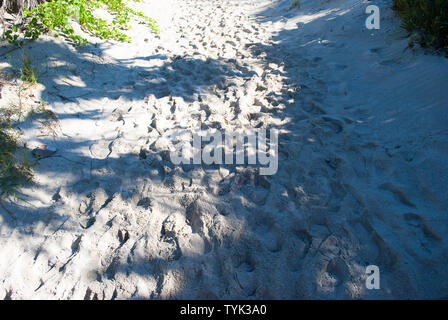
x=429, y=18
x=16, y=163
x=28, y=72
x=12, y=35
x=294, y=4
x=56, y=16
x=14, y=170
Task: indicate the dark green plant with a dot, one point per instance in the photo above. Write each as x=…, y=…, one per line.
x=294, y=4
x=28, y=72
x=14, y=171
x=428, y=18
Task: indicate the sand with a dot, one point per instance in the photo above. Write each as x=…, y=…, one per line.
x=362, y=170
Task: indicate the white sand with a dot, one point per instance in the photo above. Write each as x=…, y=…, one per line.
x=362, y=173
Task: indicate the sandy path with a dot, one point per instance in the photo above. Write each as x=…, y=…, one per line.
x=112, y=217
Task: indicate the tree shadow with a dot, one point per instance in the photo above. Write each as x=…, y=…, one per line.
x=233, y=263
x=71, y=75
x=339, y=121
x=59, y=70
x=294, y=238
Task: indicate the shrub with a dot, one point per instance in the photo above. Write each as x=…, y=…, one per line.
x=28, y=72
x=428, y=18
x=14, y=171
x=294, y=4
x=56, y=15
